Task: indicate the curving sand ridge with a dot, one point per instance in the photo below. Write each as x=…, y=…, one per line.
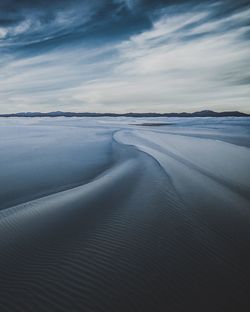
x=148, y=221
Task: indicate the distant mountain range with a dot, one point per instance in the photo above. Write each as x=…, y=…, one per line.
x=204, y=113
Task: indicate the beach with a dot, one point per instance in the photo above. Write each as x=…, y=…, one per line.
x=124, y=214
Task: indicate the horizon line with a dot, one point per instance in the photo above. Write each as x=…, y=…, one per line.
x=125, y=113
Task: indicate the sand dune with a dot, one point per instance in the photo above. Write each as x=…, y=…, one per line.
x=102, y=215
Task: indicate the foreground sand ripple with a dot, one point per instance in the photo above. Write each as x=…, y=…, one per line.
x=146, y=234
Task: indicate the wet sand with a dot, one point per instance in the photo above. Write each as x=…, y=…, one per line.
x=100, y=215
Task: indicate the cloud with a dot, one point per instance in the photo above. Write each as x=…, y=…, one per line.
x=158, y=71
x=186, y=60
x=32, y=24
x=128, y=3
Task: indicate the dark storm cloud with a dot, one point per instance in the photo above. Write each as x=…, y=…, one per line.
x=27, y=22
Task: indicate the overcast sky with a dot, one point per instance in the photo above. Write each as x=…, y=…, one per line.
x=124, y=55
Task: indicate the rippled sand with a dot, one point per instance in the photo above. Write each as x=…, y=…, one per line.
x=101, y=214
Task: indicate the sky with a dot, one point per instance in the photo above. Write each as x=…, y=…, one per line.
x=124, y=55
